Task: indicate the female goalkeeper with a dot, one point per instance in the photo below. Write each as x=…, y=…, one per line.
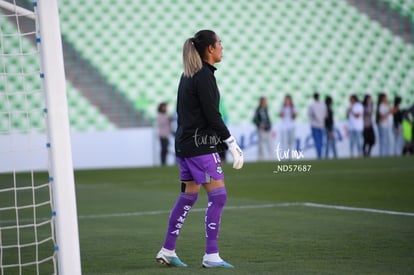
x=200, y=132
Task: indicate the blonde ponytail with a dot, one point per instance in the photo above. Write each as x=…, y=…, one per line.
x=191, y=59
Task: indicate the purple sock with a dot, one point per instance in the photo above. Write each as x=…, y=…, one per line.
x=216, y=200
x=177, y=217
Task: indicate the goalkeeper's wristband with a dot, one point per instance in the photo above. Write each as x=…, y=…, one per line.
x=236, y=152
x=231, y=142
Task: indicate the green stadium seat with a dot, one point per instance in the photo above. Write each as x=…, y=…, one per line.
x=270, y=47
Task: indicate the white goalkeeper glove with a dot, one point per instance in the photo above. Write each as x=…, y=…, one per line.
x=236, y=152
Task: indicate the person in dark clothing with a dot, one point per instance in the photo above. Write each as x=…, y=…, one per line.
x=397, y=118
x=200, y=133
x=368, y=132
x=330, y=130
x=262, y=121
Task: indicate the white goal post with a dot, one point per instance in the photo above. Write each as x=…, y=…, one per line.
x=61, y=175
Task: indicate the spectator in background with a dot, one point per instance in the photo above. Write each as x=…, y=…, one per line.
x=355, y=125
x=407, y=128
x=262, y=121
x=287, y=124
x=317, y=113
x=368, y=132
x=330, y=130
x=397, y=126
x=383, y=122
x=164, y=130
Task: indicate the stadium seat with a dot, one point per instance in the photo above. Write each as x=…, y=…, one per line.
x=270, y=47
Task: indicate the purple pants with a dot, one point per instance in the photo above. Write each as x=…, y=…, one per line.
x=201, y=168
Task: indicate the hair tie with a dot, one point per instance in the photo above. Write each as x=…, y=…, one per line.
x=192, y=41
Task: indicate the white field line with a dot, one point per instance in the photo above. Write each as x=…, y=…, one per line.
x=256, y=206
x=347, y=208
x=239, y=207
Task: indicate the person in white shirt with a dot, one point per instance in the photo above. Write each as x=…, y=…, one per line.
x=287, y=124
x=317, y=113
x=384, y=112
x=355, y=125
x=164, y=131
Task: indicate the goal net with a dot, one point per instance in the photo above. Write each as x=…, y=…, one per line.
x=38, y=223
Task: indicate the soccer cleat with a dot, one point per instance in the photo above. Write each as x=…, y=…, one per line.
x=210, y=264
x=169, y=260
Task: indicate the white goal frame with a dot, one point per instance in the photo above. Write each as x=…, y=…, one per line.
x=58, y=132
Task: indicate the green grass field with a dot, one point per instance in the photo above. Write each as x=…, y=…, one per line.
x=273, y=223
x=266, y=226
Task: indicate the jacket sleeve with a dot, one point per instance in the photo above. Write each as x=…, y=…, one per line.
x=209, y=100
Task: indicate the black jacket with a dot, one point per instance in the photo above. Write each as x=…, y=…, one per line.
x=261, y=118
x=200, y=127
x=329, y=120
